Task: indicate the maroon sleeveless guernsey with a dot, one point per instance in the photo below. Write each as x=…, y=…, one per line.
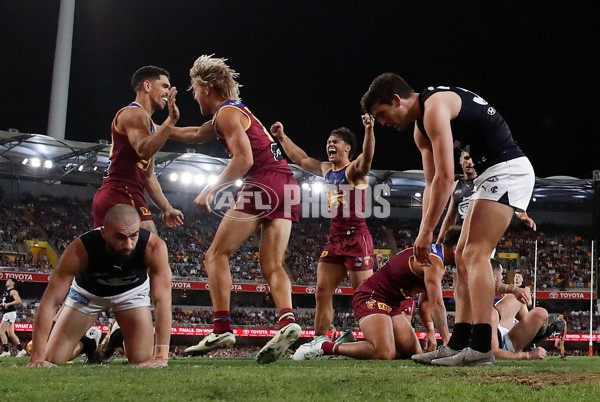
x=125, y=166
x=265, y=151
x=347, y=199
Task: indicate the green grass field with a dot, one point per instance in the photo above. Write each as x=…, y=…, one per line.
x=195, y=379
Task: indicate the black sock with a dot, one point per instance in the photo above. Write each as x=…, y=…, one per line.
x=115, y=341
x=19, y=346
x=481, y=340
x=89, y=346
x=461, y=336
x=5, y=347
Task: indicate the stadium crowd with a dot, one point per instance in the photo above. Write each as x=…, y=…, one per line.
x=563, y=257
x=563, y=251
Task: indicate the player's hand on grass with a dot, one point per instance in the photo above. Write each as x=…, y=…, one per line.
x=154, y=363
x=40, y=363
x=537, y=353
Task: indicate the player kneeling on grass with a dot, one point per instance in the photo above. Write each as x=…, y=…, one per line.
x=120, y=267
x=378, y=307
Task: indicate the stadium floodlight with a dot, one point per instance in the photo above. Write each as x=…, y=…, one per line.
x=200, y=179
x=317, y=187
x=305, y=186
x=212, y=179
x=173, y=176
x=48, y=164
x=417, y=195
x=25, y=161
x=80, y=168
x=186, y=178
x=35, y=162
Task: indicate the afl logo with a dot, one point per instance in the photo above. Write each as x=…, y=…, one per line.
x=249, y=194
x=554, y=295
x=310, y=290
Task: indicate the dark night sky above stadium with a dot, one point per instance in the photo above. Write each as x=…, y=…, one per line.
x=307, y=64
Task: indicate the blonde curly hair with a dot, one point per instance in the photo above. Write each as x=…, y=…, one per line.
x=215, y=73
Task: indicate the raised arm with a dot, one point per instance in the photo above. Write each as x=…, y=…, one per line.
x=72, y=260
x=361, y=166
x=135, y=123
x=297, y=154
x=157, y=261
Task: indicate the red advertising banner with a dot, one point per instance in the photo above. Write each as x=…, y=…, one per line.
x=24, y=276
x=268, y=333
x=296, y=289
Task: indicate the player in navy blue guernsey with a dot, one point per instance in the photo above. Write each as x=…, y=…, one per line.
x=10, y=299
x=461, y=195
x=442, y=116
x=120, y=267
x=349, y=247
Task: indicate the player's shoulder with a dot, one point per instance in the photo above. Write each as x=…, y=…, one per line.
x=154, y=241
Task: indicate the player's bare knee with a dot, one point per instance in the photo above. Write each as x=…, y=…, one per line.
x=138, y=357
x=323, y=293
x=384, y=353
x=57, y=358
x=214, y=255
x=540, y=313
x=271, y=268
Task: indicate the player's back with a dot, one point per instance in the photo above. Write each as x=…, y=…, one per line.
x=479, y=125
x=266, y=152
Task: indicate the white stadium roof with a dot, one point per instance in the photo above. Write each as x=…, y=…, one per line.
x=43, y=158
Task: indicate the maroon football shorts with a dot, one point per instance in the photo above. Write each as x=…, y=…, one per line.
x=108, y=196
x=269, y=195
x=354, y=250
x=367, y=301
